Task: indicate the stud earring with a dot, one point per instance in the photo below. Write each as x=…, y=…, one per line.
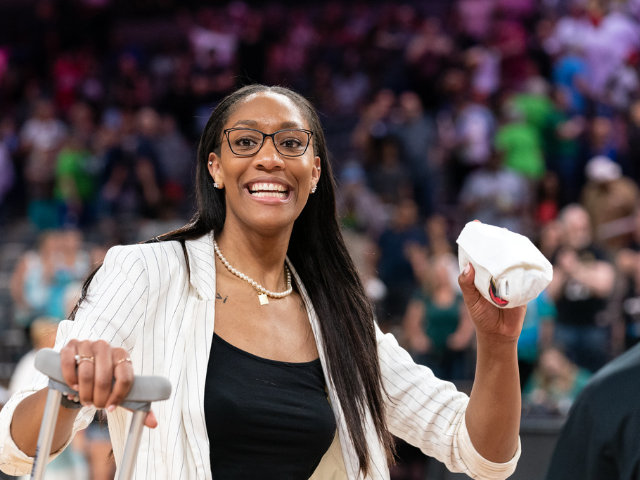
x=313, y=190
x=216, y=185
x=210, y=163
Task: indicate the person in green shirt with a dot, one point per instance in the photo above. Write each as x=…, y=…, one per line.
x=75, y=182
x=521, y=144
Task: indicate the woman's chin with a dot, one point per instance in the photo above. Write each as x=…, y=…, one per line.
x=270, y=222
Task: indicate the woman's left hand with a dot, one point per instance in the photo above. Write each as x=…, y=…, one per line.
x=500, y=324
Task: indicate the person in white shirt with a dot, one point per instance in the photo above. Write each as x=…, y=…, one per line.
x=255, y=313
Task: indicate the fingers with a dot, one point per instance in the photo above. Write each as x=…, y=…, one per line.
x=85, y=372
x=469, y=291
x=151, y=421
x=68, y=364
x=123, y=373
x=103, y=373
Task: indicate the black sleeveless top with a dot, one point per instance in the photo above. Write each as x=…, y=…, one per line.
x=265, y=419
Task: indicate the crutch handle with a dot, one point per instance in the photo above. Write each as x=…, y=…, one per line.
x=145, y=389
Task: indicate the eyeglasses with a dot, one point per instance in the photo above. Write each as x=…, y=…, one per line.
x=245, y=142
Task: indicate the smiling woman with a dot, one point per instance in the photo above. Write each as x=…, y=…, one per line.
x=256, y=314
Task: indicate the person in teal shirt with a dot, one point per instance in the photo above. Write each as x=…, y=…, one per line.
x=537, y=332
x=436, y=324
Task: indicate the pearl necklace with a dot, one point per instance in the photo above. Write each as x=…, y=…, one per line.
x=262, y=292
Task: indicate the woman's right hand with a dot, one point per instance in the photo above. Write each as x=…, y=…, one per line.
x=103, y=382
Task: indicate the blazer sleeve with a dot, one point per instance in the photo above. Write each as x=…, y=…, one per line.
x=114, y=310
x=429, y=413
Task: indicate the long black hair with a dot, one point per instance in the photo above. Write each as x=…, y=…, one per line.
x=318, y=252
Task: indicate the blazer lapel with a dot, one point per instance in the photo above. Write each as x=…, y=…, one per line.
x=202, y=317
x=203, y=266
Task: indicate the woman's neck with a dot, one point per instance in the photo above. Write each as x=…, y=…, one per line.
x=259, y=256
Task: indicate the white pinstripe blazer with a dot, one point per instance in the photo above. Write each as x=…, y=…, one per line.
x=143, y=300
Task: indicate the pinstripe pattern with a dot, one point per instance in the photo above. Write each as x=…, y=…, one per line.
x=143, y=301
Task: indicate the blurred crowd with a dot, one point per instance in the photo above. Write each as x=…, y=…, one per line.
x=519, y=113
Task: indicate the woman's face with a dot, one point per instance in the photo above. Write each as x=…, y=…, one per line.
x=267, y=191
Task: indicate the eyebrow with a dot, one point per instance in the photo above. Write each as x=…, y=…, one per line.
x=253, y=123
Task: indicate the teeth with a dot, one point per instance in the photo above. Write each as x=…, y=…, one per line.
x=269, y=194
x=267, y=187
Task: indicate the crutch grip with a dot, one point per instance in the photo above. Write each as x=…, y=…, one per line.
x=145, y=389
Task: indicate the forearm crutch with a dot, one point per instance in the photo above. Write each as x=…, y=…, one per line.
x=145, y=389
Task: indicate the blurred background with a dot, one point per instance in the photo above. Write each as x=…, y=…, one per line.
x=520, y=113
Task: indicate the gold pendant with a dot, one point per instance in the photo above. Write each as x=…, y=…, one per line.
x=264, y=300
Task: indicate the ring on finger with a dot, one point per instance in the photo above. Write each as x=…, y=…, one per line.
x=128, y=359
x=82, y=358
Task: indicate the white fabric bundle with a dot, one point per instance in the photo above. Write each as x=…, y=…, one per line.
x=510, y=270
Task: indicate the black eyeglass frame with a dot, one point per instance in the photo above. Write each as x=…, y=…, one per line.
x=273, y=139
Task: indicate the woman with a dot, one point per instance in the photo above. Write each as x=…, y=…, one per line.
x=555, y=383
x=437, y=324
x=150, y=311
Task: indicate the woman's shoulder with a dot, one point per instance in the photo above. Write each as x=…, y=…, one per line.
x=164, y=265
x=150, y=258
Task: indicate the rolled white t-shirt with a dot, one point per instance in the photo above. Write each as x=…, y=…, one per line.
x=510, y=270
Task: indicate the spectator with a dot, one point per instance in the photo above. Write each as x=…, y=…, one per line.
x=536, y=334
x=548, y=202
x=555, y=384
x=628, y=264
x=416, y=137
x=174, y=157
x=601, y=140
x=426, y=55
x=351, y=85
x=32, y=279
x=570, y=76
x=394, y=267
x=475, y=126
x=622, y=86
x=131, y=87
x=75, y=182
x=521, y=144
x=607, y=197
x=550, y=238
x=389, y=179
x=41, y=137
x=132, y=184
x=562, y=146
x=496, y=196
x=612, y=39
x=360, y=209
x=534, y=103
x=437, y=325
x=375, y=123
x=41, y=278
x=582, y=282
x=437, y=230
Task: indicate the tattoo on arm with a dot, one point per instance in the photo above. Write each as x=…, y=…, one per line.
x=219, y=297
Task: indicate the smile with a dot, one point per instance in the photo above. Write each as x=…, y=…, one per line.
x=268, y=191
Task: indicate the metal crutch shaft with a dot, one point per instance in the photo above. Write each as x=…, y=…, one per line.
x=132, y=445
x=45, y=437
